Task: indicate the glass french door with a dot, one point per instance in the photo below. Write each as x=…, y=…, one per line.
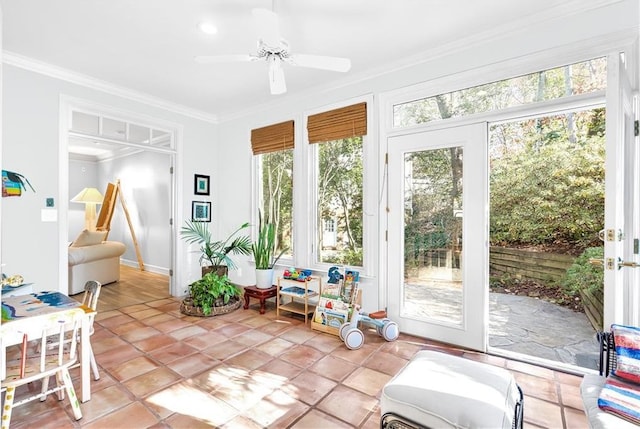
x=438, y=235
x=621, y=233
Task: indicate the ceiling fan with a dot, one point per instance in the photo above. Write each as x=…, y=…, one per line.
x=275, y=50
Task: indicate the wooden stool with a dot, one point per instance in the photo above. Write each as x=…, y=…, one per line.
x=261, y=294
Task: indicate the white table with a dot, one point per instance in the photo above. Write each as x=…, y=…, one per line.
x=23, y=313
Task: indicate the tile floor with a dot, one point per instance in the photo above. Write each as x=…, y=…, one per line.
x=162, y=369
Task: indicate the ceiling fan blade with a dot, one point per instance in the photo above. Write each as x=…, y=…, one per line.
x=223, y=58
x=267, y=28
x=320, y=62
x=276, y=76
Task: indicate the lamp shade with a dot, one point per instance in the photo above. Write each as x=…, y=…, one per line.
x=88, y=195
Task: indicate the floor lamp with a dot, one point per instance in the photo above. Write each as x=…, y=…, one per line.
x=90, y=197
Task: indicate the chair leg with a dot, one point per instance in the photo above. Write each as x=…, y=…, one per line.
x=45, y=387
x=8, y=407
x=71, y=393
x=60, y=382
x=94, y=364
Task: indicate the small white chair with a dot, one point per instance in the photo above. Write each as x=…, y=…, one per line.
x=90, y=299
x=40, y=363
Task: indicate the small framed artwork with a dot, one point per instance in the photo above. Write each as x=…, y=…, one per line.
x=201, y=184
x=201, y=211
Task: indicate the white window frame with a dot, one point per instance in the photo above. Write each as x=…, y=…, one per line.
x=305, y=202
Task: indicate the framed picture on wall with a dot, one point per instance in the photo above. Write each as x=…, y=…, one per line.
x=201, y=211
x=201, y=185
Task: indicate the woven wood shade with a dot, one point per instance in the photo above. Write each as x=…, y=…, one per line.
x=338, y=124
x=272, y=138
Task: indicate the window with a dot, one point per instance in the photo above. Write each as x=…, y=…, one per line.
x=273, y=150
x=336, y=137
x=581, y=78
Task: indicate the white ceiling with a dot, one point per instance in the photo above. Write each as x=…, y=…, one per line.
x=149, y=45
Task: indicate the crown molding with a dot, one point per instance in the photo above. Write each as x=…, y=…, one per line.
x=21, y=61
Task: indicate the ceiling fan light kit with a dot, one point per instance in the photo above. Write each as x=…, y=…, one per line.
x=275, y=50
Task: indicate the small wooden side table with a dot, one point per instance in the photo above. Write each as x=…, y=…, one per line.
x=261, y=294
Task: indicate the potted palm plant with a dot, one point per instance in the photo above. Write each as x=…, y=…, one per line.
x=211, y=295
x=216, y=255
x=264, y=253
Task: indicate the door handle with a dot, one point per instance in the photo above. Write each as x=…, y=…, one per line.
x=629, y=264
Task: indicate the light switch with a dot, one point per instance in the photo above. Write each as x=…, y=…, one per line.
x=49, y=215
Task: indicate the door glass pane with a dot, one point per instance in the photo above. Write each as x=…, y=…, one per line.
x=433, y=235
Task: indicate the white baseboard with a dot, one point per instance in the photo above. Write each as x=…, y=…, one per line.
x=150, y=268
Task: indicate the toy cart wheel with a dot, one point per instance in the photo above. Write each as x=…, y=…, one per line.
x=354, y=339
x=381, y=325
x=343, y=330
x=390, y=331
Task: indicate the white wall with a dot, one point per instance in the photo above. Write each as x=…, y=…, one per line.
x=146, y=187
x=566, y=40
x=31, y=104
x=82, y=174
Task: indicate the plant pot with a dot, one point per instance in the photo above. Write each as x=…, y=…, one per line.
x=264, y=278
x=187, y=307
x=221, y=270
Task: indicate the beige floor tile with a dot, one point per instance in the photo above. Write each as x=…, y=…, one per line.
x=192, y=364
x=105, y=401
x=333, y=368
x=249, y=359
x=113, y=322
x=139, y=334
x=317, y=419
x=252, y=338
x=386, y=363
x=133, y=368
x=155, y=342
x=172, y=352
x=275, y=346
x=204, y=341
x=359, y=405
x=150, y=382
x=530, y=369
x=367, y=381
x=575, y=419
x=570, y=396
x=187, y=331
x=298, y=334
x=118, y=355
x=277, y=410
x=224, y=349
x=302, y=356
x=309, y=387
x=281, y=368
x=542, y=413
x=541, y=388
x=133, y=415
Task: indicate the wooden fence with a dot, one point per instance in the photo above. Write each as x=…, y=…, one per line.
x=540, y=266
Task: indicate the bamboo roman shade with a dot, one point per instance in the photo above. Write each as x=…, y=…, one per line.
x=272, y=138
x=338, y=124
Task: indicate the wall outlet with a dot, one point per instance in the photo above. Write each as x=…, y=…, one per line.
x=49, y=202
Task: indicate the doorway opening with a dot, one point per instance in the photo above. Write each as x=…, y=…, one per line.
x=546, y=179
x=104, y=146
